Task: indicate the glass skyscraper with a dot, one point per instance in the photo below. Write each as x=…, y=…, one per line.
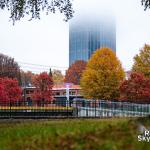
x=86, y=35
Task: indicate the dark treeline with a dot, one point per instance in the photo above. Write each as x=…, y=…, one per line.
x=9, y=68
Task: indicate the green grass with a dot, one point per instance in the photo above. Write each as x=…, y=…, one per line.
x=145, y=121
x=78, y=134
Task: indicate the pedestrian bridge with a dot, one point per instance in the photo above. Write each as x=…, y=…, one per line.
x=91, y=108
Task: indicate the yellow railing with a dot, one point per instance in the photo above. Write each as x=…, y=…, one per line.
x=35, y=108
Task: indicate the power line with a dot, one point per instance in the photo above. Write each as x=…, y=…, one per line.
x=37, y=68
x=27, y=68
x=46, y=66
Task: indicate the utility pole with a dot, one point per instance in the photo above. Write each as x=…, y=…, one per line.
x=67, y=94
x=68, y=85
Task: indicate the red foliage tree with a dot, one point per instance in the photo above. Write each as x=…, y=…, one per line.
x=9, y=90
x=12, y=88
x=43, y=83
x=74, y=72
x=3, y=94
x=136, y=89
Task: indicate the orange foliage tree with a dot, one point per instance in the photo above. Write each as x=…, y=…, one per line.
x=74, y=72
x=58, y=77
x=102, y=77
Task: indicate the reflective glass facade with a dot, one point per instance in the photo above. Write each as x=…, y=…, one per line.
x=86, y=37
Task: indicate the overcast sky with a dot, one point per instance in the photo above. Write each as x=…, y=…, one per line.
x=46, y=41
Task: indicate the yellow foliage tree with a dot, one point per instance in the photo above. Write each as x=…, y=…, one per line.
x=142, y=61
x=102, y=76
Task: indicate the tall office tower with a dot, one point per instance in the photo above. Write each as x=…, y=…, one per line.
x=89, y=33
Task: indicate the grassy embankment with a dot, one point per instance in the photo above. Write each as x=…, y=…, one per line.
x=78, y=134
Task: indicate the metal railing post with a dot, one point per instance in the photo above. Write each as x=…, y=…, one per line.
x=10, y=108
x=95, y=108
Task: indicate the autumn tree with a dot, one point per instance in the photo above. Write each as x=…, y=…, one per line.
x=10, y=90
x=142, y=61
x=57, y=76
x=13, y=89
x=27, y=78
x=136, y=89
x=102, y=76
x=74, y=72
x=43, y=83
x=20, y=8
x=9, y=67
x=3, y=94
